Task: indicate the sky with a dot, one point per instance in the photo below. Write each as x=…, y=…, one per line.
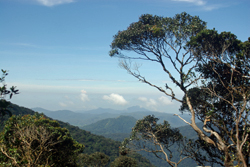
x=56, y=51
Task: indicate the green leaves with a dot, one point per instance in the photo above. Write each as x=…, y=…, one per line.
x=29, y=138
x=95, y=159
x=152, y=31
x=148, y=129
x=214, y=45
x=3, y=92
x=123, y=161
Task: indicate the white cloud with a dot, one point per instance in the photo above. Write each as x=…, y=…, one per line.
x=144, y=99
x=62, y=104
x=115, y=98
x=149, y=102
x=84, y=97
x=50, y=3
x=196, y=2
x=165, y=100
x=212, y=7
x=203, y=4
x=152, y=102
x=23, y=44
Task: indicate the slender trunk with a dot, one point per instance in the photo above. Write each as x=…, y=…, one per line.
x=227, y=162
x=195, y=127
x=220, y=144
x=242, y=158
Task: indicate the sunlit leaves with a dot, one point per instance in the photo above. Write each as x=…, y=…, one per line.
x=152, y=31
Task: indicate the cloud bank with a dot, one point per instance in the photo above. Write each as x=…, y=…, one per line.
x=51, y=3
x=115, y=98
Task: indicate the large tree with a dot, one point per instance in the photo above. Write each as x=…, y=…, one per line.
x=161, y=140
x=222, y=100
x=37, y=141
x=166, y=41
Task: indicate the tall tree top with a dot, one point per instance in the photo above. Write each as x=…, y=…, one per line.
x=156, y=30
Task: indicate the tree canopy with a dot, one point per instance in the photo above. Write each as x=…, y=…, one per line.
x=147, y=135
x=210, y=68
x=97, y=159
x=124, y=161
x=35, y=141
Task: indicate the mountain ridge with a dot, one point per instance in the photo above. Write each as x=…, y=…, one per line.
x=121, y=124
x=92, y=116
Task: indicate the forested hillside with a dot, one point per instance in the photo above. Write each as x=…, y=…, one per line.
x=121, y=124
x=93, y=143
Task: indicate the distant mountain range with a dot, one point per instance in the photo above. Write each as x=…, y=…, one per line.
x=92, y=116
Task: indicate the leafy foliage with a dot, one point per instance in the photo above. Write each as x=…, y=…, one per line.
x=161, y=140
x=223, y=105
x=3, y=93
x=124, y=161
x=35, y=140
x=93, y=143
x=96, y=159
x=211, y=69
x=187, y=146
x=152, y=31
x=148, y=127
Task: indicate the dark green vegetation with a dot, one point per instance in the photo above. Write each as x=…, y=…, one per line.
x=94, y=159
x=124, y=161
x=4, y=91
x=147, y=135
x=211, y=69
x=92, y=143
x=166, y=143
x=121, y=124
x=35, y=140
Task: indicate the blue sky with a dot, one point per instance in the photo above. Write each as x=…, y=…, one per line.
x=56, y=51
